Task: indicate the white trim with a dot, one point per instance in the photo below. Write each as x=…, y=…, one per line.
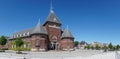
x=68, y=49
x=71, y=49
x=41, y=49
x=33, y=49
x=65, y=49
x=54, y=26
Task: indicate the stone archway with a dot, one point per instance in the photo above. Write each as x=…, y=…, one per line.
x=54, y=44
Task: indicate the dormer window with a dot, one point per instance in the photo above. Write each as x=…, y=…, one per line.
x=54, y=19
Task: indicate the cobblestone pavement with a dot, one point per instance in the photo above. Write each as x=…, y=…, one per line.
x=49, y=54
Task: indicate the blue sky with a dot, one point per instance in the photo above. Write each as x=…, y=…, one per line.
x=88, y=20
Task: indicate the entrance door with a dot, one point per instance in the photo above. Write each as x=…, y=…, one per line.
x=54, y=46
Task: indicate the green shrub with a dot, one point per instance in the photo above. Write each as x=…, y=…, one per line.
x=20, y=48
x=2, y=50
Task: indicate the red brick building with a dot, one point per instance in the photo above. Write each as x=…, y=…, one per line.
x=48, y=36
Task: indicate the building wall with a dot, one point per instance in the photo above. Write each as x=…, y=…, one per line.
x=67, y=44
x=53, y=32
x=45, y=41
x=40, y=40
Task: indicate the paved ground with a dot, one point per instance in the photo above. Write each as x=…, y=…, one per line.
x=51, y=54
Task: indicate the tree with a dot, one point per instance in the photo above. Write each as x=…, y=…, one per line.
x=97, y=47
x=105, y=47
x=18, y=43
x=110, y=46
x=88, y=47
x=117, y=47
x=3, y=41
x=92, y=47
x=76, y=43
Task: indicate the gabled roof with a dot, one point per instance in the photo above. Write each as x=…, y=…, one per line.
x=67, y=34
x=52, y=18
x=39, y=29
x=25, y=31
x=83, y=42
x=36, y=30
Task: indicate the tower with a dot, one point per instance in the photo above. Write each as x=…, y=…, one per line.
x=53, y=27
x=39, y=38
x=67, y=40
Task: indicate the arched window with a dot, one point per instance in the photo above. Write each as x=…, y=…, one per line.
x=37, y=43
x=54, y=39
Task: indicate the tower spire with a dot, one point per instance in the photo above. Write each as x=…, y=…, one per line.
x=39, y=21
x=67, y=27
x=51, y=6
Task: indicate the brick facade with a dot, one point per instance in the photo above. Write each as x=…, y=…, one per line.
x=67, y=44
x=49, y=36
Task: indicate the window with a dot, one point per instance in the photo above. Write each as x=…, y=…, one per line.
x=54, y=39
x=54, y=19
x=37, y=43
x=37, y=37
